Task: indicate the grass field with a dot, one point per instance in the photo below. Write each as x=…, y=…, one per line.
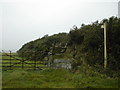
x=54, y=78
x=51, y=78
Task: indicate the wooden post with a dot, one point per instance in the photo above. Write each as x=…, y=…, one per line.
x=34, y=60
x=22, y=61
x=10, y=60
x=48, y=62
x=50, y=53
x=105, y=45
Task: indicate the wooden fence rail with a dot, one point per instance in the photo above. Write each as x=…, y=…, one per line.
x=11, y=61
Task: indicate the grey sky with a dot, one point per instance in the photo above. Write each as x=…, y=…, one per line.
x=23, y=21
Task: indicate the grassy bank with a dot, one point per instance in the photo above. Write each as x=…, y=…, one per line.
x=50, y=78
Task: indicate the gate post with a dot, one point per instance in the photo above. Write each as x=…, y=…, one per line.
x=10, y=59
x=22, y=61
x=35, y=60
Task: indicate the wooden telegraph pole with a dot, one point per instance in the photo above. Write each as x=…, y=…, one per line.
x=105, y=45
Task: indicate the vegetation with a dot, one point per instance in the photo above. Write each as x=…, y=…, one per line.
x=85, y=45
x=84, y=48
x=51, y=78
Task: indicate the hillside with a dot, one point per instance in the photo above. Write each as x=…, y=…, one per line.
x=84, y=46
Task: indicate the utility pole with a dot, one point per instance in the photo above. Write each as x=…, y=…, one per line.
x=105, y=45
x=119, y=9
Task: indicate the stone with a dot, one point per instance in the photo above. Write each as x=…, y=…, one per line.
x=62, y=63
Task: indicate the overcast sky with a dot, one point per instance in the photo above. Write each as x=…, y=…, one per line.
x=24, y=20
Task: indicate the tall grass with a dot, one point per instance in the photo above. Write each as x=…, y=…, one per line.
x=55, y=78
x=60, y=78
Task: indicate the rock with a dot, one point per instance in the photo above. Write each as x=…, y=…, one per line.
x=62, y=63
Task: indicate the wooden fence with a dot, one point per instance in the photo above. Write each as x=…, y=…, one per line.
x=10, y=61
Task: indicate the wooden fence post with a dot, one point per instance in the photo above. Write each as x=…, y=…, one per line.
x=48, y=57
x=34, y=60
x=10, y=59
x=22, y=61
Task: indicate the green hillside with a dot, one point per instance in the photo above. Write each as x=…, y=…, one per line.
x=84, y=46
